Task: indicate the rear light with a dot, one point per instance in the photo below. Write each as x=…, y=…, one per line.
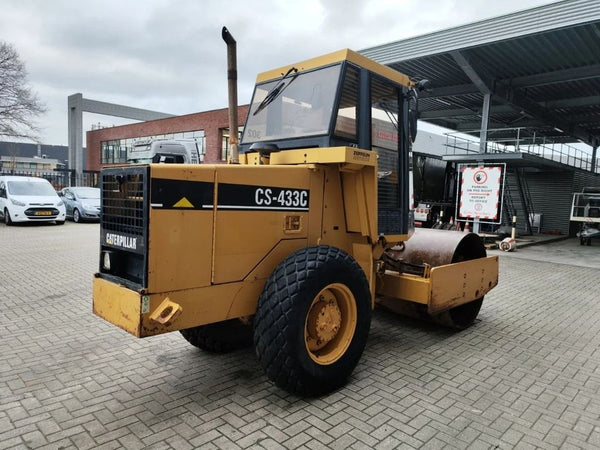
x=106, y=260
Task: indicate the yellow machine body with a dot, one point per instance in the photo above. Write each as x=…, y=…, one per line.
x=213, y=262
x=210, y=264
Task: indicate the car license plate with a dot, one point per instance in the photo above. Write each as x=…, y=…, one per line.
x=43, y=213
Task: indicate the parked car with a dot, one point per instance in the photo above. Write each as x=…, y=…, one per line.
x=30, y=199
x=82, y=203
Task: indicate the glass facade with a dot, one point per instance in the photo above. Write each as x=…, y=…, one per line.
x=24, y=163
x=116, y=151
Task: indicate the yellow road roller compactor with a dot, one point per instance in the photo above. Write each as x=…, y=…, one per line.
x=294, y=244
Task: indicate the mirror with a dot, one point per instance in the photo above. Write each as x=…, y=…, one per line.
x=413, y=106
x=424, y=85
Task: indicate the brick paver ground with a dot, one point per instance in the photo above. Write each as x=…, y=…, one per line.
x=526, y=375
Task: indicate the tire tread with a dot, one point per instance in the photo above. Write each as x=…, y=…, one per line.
x=276, y=323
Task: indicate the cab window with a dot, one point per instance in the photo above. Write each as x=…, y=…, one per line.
x=345, y=123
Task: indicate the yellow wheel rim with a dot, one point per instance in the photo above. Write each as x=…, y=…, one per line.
x=330, y=324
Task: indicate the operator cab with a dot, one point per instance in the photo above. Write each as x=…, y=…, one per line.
x=341, y=100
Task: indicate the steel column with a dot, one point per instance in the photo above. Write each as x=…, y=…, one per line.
x=485, y=117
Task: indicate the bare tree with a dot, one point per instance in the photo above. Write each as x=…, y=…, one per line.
x=18, y=104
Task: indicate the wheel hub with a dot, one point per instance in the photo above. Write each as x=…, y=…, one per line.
x=324, y=321
x=330, y=324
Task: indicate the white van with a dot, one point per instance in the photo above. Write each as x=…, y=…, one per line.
x=30, y=199
x=185, y=151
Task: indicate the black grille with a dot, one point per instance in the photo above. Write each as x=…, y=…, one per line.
x=123, y=201
x=124, y=223
x=389, y=215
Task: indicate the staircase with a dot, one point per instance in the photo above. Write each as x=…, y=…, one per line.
x=517, y=200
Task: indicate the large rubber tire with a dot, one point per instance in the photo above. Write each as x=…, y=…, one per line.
x=76, y=216
x=7, y=219
x=312, y=321
x=220, y=337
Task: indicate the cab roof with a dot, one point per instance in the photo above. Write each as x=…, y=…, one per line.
x=335, y=57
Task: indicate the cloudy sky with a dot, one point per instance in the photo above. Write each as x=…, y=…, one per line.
x=168, y=55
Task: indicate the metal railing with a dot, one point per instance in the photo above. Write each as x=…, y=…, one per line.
x=534, y=145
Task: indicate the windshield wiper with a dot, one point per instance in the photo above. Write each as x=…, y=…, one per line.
x=278, y=89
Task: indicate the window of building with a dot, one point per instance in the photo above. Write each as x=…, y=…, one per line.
x=225, y=151
x=107, y=152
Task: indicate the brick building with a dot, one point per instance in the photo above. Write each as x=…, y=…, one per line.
x=108, y=146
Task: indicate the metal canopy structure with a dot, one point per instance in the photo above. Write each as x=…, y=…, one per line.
x=533, y=74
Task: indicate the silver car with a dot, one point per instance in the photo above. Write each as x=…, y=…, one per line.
x=82, y=203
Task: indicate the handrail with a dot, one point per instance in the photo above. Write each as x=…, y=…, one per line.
x=534, y=145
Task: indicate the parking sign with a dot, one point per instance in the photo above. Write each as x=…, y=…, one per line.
x=480, y=192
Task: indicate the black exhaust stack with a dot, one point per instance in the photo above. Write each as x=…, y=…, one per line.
x=232, y=89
